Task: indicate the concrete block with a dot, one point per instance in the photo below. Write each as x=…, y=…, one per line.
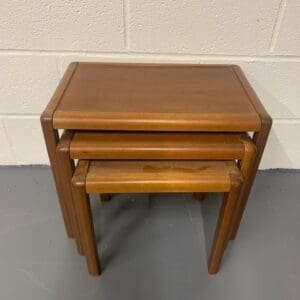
x=283, y=147
x=202, y=27
x=27, y=83
x=6, y=155
x=288, y=38
x=26, y=139
x=62, y=25
x=277, y=85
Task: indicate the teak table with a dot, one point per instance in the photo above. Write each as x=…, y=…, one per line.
x=153, y=98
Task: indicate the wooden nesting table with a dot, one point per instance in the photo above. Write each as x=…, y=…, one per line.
x=94, y=99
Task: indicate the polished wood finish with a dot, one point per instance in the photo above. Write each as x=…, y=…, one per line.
x=66, y=172
x=260, y=138
x=147, y=145
x=103, y=96
x=66, y=167
x=85, y=218
x=224, y=225
x=148, y=176
x=245, y=164
x=153, y=176
x=194, y=98
x=51, y=137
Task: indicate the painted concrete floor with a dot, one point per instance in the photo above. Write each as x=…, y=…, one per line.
x=152, y=247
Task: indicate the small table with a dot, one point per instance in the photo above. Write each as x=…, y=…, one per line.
x=143, y=97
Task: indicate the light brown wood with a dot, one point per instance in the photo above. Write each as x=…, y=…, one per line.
x=135, y=145
x=51, y=137
x=158, y=176
x=260, y=139
x=163, y=98
x=85, y=218
x=246, y=168
x=147, y=145
x=157, y=98
x=66, y=173
x=225, y=221
x=66, y=165
x=91, y=173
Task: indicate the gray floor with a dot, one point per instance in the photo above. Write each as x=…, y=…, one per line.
x=152, y=247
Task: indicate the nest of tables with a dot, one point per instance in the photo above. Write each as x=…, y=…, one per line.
x=148, y=128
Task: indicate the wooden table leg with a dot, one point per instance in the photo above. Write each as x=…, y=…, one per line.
x=51, y=139
x=260, y=139
x=246, y=167
x=229, y=206
x=83, y=209
x=199, y=196
x=66, y=172
x=105, y=197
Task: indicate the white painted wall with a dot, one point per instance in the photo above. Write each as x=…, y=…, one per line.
x=39, y=38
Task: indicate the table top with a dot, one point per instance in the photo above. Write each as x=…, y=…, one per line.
x=119, y=176
x=106, y=96
x=86, y=144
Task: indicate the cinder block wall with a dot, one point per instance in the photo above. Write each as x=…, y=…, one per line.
x=39, y=38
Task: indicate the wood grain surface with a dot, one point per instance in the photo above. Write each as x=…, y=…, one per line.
x=156, y=97
x=147, y=145
x=158, y=176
